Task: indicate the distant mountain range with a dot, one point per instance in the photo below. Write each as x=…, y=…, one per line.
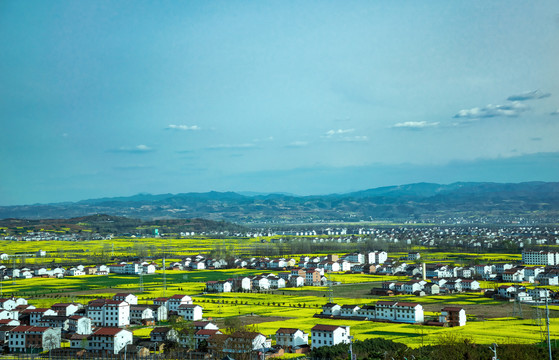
x=538, y=201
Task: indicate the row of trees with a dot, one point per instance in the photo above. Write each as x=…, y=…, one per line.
x=449, y=346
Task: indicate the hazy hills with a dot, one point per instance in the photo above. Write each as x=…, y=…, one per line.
x=421, y=202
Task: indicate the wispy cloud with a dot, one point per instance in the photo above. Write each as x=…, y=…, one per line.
x=415, y=125
x=554, y=113
x=232, y=146
x=132, y=167
x=332, y=133
x=529, y=95
x=183, y=127
x=267, y=139
x=140, y=149
x=512, y=109
x=297, y=144
x=357, y=138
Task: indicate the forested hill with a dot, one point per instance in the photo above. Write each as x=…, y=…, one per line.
x=108, y=224
x=422, y=202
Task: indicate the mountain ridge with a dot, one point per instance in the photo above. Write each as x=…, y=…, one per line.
x=418, y=201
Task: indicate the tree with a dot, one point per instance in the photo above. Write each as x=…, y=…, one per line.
x=185, y=331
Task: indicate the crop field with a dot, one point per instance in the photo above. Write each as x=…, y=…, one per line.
x=88, y=249
x=489, y=320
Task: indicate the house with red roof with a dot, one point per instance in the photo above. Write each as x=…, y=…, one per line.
x=105, y=340
x=25, y=338
x=329, y=335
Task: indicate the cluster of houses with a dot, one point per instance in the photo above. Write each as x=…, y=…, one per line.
x=54, y=236
x=101, y=327
x=394, y=311
x=26, y=328
x=523, y=294
x=134, y=268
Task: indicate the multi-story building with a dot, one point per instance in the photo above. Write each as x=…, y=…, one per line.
x=190, y=312
x=329, y=335
x=399, y=311
x=177, y=300
x=453, y=316
x=531, y=257
x=26, y=338
x=108, y=313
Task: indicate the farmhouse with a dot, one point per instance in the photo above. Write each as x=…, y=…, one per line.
x=331, y=309
x=399, y=311
x=190, y=312
x=453, y=316
x=328, y=335
x=109, y=313
x=177, y=300
x=105, y=340
x=25, y=338
x=163, y=334
x=289, y=338
x=128, y=297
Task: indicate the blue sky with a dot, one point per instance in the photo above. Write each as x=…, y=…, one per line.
x=113, y=98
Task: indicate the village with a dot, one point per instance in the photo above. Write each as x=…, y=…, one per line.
x=103, y=325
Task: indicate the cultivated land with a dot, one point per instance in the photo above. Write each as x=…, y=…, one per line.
x=488, y=320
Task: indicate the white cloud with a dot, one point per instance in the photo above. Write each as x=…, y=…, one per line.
x=232, y=146
x=529, y=95
x=512, y=109
x=139, y=149
x=298, y=144
x=357, y=138
x=183, y=127
x=332, y=132
x=269, y=138
x=415, y=124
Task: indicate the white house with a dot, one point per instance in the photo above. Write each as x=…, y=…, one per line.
x=79, y=325
x=349, y=310
x=377, y=257
x=128, y=297
x=297, y=281
x=177, y=300
x=108, y=313
x=162, y=334
x=108, y=340
x=66, y=309
x=276, y=282
x=190, y=312
x=261, y=282
x=8, y=304
x=244, y=342
x=36, y=315
x=399, y=311
x=453, y=316
x=532, y=257
x=140, y=314
x=219, y=286
x=288, y=338
x=331, y=309
x=355, y=258
x=470, y=285
x=75, y=272
x=328, y=335
x=25, y=338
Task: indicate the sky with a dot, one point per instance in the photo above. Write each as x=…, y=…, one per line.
x=114, y=98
